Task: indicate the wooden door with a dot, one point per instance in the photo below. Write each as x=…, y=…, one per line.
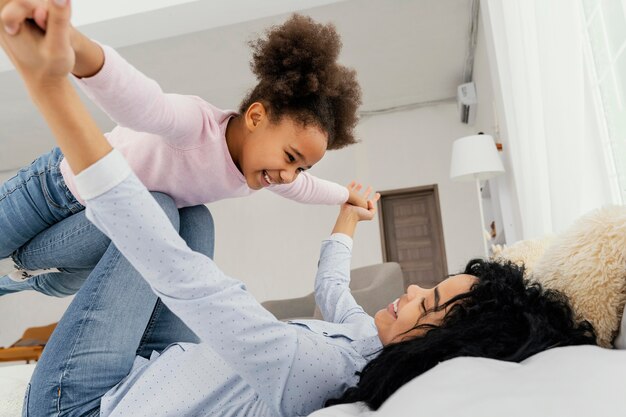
x=412, y=234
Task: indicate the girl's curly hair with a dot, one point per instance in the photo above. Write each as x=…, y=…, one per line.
x=296, y=65
x=502, y=317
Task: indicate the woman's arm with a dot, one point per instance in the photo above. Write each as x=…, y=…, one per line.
x=188, y=283
x=16, y=14
x=216, y=307
x=332, y=283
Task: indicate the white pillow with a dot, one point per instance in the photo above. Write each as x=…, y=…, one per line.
x=573, y=381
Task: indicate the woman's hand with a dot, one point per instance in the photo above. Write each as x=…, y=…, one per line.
x=41, y=58
x=355, y=198
x=19, y=13
x=350, y=215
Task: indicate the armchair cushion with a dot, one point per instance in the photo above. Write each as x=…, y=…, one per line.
x=373, y=287
x=291, y=308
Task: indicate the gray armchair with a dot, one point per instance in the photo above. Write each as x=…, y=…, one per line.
x=373, y=287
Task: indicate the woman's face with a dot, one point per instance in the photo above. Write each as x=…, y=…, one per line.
x=419, y=306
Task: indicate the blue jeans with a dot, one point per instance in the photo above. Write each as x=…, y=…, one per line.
x=113, y=317
x=35, y=199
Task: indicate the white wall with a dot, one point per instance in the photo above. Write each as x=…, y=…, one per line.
x=272, y=244
x=503, y=202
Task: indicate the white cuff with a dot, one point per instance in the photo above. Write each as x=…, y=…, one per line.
x=102, y=176
x=342, y=238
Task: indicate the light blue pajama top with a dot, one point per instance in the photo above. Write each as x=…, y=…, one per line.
x=249, y=363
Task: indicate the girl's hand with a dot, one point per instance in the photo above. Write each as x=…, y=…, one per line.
x=44, y=59
x=16, y=13
x=350, y=215
x=19, y=13
x=41, y=58
x=355, y=198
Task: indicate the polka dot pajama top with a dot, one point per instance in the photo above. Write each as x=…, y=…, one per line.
x=249, y=363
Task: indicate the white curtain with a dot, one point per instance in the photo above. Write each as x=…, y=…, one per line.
x=547, y=118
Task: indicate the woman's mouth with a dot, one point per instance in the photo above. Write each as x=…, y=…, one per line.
x=393, y=308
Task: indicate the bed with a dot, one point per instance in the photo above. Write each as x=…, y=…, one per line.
x=561, y=382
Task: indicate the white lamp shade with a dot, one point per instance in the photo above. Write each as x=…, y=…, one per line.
x=475, y=157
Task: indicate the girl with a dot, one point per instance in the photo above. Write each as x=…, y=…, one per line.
x=304, y=104
x=249, y=363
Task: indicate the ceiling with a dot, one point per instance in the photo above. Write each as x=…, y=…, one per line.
x=404, y=51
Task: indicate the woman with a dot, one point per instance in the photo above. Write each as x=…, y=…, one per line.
x=249, y=363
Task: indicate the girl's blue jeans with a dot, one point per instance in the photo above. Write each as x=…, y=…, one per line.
x=35, y=199
x=114, y=316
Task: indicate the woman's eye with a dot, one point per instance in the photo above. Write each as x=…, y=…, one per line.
x=291, y=158
x=301, y=169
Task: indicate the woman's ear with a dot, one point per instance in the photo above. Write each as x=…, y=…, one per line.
x=254, y=115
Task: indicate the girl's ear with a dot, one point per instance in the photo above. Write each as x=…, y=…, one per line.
x=254, y=115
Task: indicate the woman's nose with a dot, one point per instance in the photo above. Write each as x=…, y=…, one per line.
x=413, y=290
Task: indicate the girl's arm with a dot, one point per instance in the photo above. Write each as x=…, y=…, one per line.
x=89, y=55
x=129, y=97
x=133, y=100
x=309, y=189
x=44, y=62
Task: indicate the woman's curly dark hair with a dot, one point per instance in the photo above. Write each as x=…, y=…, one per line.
x=503, y=317
x=299, y=77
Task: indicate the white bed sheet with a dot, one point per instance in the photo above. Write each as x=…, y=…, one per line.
x=563, y=382
x=13, y=382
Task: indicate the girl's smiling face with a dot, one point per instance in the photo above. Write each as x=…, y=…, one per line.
x=419, y=306
x=276, y=152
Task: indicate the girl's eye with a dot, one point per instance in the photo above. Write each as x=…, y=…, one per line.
x=291, y=158
x=301, y=169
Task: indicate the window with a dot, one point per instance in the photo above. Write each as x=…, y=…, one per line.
x=605, y=21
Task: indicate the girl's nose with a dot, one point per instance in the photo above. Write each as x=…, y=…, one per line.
x=288, y=175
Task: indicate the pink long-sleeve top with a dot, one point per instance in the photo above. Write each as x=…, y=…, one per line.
x=176, y=144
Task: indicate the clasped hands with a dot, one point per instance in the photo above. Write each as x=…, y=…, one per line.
x=42, y=58
x=350, y=215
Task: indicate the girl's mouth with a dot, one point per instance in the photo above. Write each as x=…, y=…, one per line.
x=266, y=178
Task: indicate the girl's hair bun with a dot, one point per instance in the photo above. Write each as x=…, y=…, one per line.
x=296, y=65
x=298, y=58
